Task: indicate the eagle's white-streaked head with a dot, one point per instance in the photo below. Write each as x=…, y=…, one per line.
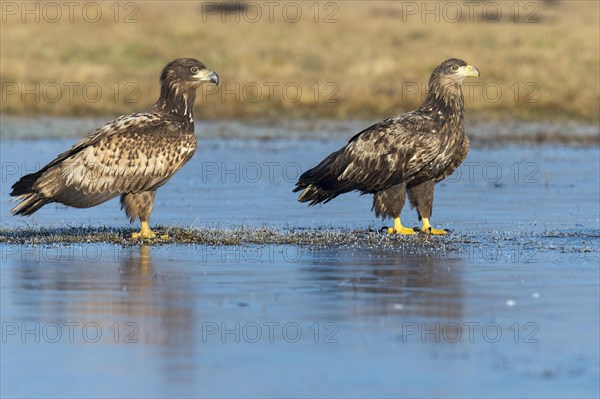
x=178, y=83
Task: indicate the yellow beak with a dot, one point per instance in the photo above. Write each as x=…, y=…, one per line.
x=468, y=71
x=206, y=75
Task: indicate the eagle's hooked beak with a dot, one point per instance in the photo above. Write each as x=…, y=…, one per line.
x=468, y=71
x=206, y=75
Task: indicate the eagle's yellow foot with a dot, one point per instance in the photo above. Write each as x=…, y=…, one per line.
x=427, y=229
x=434, y=232
x=403, y=231
x=144, y=234
x=399, y=229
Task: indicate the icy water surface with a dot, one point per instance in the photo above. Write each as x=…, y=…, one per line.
x=510, y=309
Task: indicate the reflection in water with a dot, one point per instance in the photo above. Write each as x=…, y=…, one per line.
x=168, y=292
x=168, y=322
x=388, y=284
x=120, y=285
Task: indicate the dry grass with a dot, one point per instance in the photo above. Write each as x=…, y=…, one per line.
x=368, y=54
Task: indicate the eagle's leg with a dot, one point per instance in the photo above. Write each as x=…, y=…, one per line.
x=140, y=206
x=421, y=197
x=388, y=204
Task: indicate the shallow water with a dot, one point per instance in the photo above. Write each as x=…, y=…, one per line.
x=512, y=311
x=230, y=183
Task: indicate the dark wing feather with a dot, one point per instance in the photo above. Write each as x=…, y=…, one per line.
x=385, y=154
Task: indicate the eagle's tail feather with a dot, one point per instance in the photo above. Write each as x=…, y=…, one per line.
x=30, y=200
x=315, y=195
x=25, y=184
x=30, y=203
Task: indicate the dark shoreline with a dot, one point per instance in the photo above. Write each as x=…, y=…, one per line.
x=483, y=134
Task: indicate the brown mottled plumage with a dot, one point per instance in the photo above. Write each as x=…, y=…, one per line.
x=131, y=156
x=408, y=152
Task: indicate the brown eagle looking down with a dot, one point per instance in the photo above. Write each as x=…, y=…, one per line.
x=410, y=152
x=132, y=156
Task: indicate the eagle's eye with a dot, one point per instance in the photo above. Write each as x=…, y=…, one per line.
x=194, y=70
x=455, y=67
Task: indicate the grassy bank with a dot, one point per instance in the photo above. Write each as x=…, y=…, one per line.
x=347, y=59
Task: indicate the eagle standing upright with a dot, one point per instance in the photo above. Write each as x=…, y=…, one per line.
x=410, y=152
x=132, y=156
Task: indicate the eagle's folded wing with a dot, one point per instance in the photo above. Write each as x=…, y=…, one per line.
x=135, y=153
